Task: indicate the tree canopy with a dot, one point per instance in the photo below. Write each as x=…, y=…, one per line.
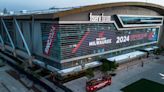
x=108, y=65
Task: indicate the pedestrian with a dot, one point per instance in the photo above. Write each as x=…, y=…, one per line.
x=142, y=63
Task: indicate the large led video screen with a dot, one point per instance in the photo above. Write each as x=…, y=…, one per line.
x=93, y=42
x=74, y=40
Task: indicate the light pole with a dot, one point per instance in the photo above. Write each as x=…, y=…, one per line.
x=128, y=62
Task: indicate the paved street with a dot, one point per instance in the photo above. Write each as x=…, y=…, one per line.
x=8, y=83
x=127, y=75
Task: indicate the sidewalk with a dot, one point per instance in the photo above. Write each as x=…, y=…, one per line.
x=126, y=74
x=140, y=62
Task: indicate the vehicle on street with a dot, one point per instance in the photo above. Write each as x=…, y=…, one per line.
x=95, y=84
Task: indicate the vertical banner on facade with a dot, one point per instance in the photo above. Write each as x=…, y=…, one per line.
x=50, y=40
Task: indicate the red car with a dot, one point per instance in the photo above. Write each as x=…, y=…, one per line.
x=96, y=84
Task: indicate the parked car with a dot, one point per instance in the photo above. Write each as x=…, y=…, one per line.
x=95, y=84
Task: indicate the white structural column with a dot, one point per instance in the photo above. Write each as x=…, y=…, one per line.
x=2, y=42
x=4, y=25
x=31, y=33
x=23, y=39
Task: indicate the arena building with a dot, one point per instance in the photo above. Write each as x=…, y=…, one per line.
x=66, y=41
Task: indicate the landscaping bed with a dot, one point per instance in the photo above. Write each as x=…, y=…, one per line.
x=144, y=85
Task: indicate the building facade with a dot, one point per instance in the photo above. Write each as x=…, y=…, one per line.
x=73, y=40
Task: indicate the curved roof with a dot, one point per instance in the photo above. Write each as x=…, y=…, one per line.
x=155, y=7
x=52, y=15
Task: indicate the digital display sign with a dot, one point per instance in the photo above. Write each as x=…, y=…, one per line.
x=75, y=40
x=93, y=41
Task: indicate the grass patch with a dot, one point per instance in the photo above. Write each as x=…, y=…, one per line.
x=144, y=85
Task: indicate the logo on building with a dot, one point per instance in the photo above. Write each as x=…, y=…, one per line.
x=101, y=40
x=50, y=40
x=99, y=18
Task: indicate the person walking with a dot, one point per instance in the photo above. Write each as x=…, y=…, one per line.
x=142, y=63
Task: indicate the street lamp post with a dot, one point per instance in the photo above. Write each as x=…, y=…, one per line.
x=128, y=62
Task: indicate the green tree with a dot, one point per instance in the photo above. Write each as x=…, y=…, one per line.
x=89, y=72
x=158, y=51
x=108, y=65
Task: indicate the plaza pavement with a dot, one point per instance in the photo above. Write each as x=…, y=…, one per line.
x=127, y=74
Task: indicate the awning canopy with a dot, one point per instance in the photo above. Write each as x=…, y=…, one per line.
x=151, y=48
x=79, y=68
x=125, y=57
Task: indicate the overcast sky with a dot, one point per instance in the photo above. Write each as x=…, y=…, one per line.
x=18, y=5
